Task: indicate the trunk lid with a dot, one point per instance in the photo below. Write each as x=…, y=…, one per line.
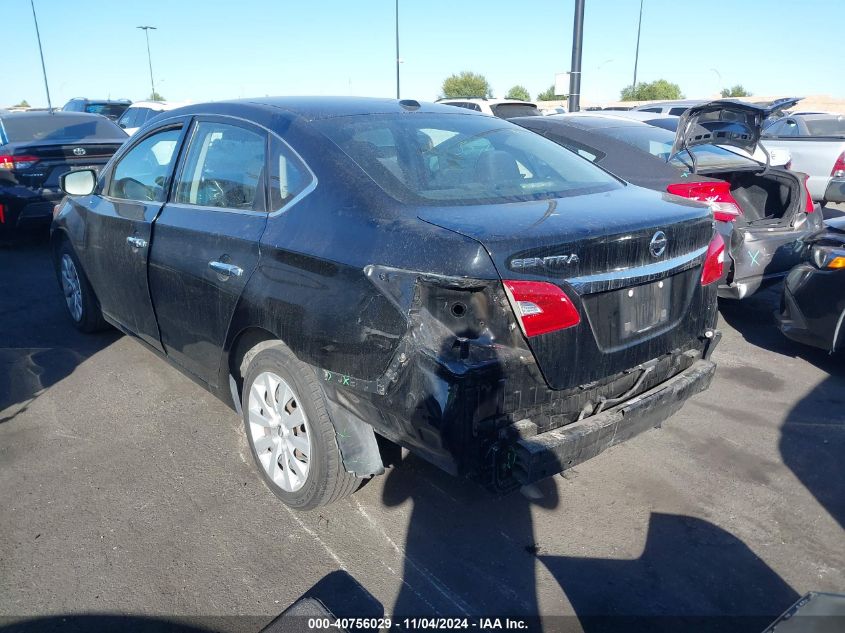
x=725, y=122
x=55, y=159
x=629, y=259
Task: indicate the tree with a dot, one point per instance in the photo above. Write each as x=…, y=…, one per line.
x=656, y=90
x=23, y=104
x=155, y=96
x=518, y=92
x=549, y=95
x=466, y=84
x=736, y=91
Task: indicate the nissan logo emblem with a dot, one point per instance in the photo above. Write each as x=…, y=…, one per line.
x=79, y=151
x=657, y=245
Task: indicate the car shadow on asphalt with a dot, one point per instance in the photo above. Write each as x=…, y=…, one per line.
x=691, y=576
x=812, y=444
x=38, y=344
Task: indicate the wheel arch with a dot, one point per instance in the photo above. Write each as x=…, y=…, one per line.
x=355, y=437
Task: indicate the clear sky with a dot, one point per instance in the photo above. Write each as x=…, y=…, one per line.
x=221, y=49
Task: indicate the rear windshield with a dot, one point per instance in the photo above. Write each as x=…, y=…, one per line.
x=58, y=127
x=826, y=127
x=111, y=110
x=658, y=142
x=511, y=110
x=459, y=159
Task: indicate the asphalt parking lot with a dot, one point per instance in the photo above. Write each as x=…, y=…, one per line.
x=127, y=489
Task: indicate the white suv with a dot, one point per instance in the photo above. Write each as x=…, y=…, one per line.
x=142, y=111
x=502, y=108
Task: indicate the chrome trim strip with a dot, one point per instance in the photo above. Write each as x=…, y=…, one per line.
x=641, y=274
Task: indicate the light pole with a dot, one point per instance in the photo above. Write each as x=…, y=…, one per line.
x=637, y=54
x=575, y=72
x=146, y=30
x=397, y=49
x=41, y=52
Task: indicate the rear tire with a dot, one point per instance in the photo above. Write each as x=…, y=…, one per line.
x=81, y=304
x=289, y=431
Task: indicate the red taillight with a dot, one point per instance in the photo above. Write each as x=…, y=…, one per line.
x=2, y=214
x=714, y=261
x=809, y=207
x=717, y=194
x=541, y=307
x=17, y=162
x=838, y=170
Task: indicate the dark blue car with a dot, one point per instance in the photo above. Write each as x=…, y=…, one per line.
x=341, y=269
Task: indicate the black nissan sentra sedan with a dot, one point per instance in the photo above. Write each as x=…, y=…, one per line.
x=338, y=269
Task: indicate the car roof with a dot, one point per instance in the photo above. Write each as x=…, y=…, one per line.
x=816, y=116
x=161, y=105
x=679, y=102
x=314, y=108
x=5, y=114
x=603, y=119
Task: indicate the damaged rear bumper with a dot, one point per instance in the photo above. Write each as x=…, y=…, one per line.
x=535, y=457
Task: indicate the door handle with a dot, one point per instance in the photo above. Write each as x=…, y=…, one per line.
x=227, y=270
x=136, y=242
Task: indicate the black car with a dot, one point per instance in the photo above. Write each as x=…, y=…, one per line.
x=761, y=211
x=38, y=147
x=337, y=269
x=109, y=108
x=813, y=302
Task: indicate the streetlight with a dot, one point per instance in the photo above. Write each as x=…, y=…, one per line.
x=41, y=52
x=398, y=61
x=146, y=30
x=637, y=54
x=575, y=69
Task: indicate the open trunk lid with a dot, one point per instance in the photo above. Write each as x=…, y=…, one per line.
x=726, y=122
x=629, y=260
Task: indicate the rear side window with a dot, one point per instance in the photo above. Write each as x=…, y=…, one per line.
x=650, y=109
x=826, y=127
x=437, y=158
x=288, y=176
x=142, y=173
x=224, y=167
x=677, y=111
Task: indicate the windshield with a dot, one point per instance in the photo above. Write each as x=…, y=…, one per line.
x=462, y=159
x=511, y=110
x=658, y=142
x=111, y=110
x=59, y=128
x=826, y=127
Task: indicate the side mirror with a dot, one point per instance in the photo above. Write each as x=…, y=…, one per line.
x=78, y=183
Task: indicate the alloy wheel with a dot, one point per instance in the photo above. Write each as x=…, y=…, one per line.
x=71, y=287
x=279, y=431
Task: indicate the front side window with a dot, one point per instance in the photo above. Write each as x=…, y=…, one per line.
x=142, y=173
x=224, y=167
x=436, y=158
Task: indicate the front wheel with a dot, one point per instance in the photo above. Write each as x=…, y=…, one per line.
x=81, y=304
x=290, y=434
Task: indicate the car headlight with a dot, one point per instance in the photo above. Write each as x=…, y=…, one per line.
x=828, y=257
